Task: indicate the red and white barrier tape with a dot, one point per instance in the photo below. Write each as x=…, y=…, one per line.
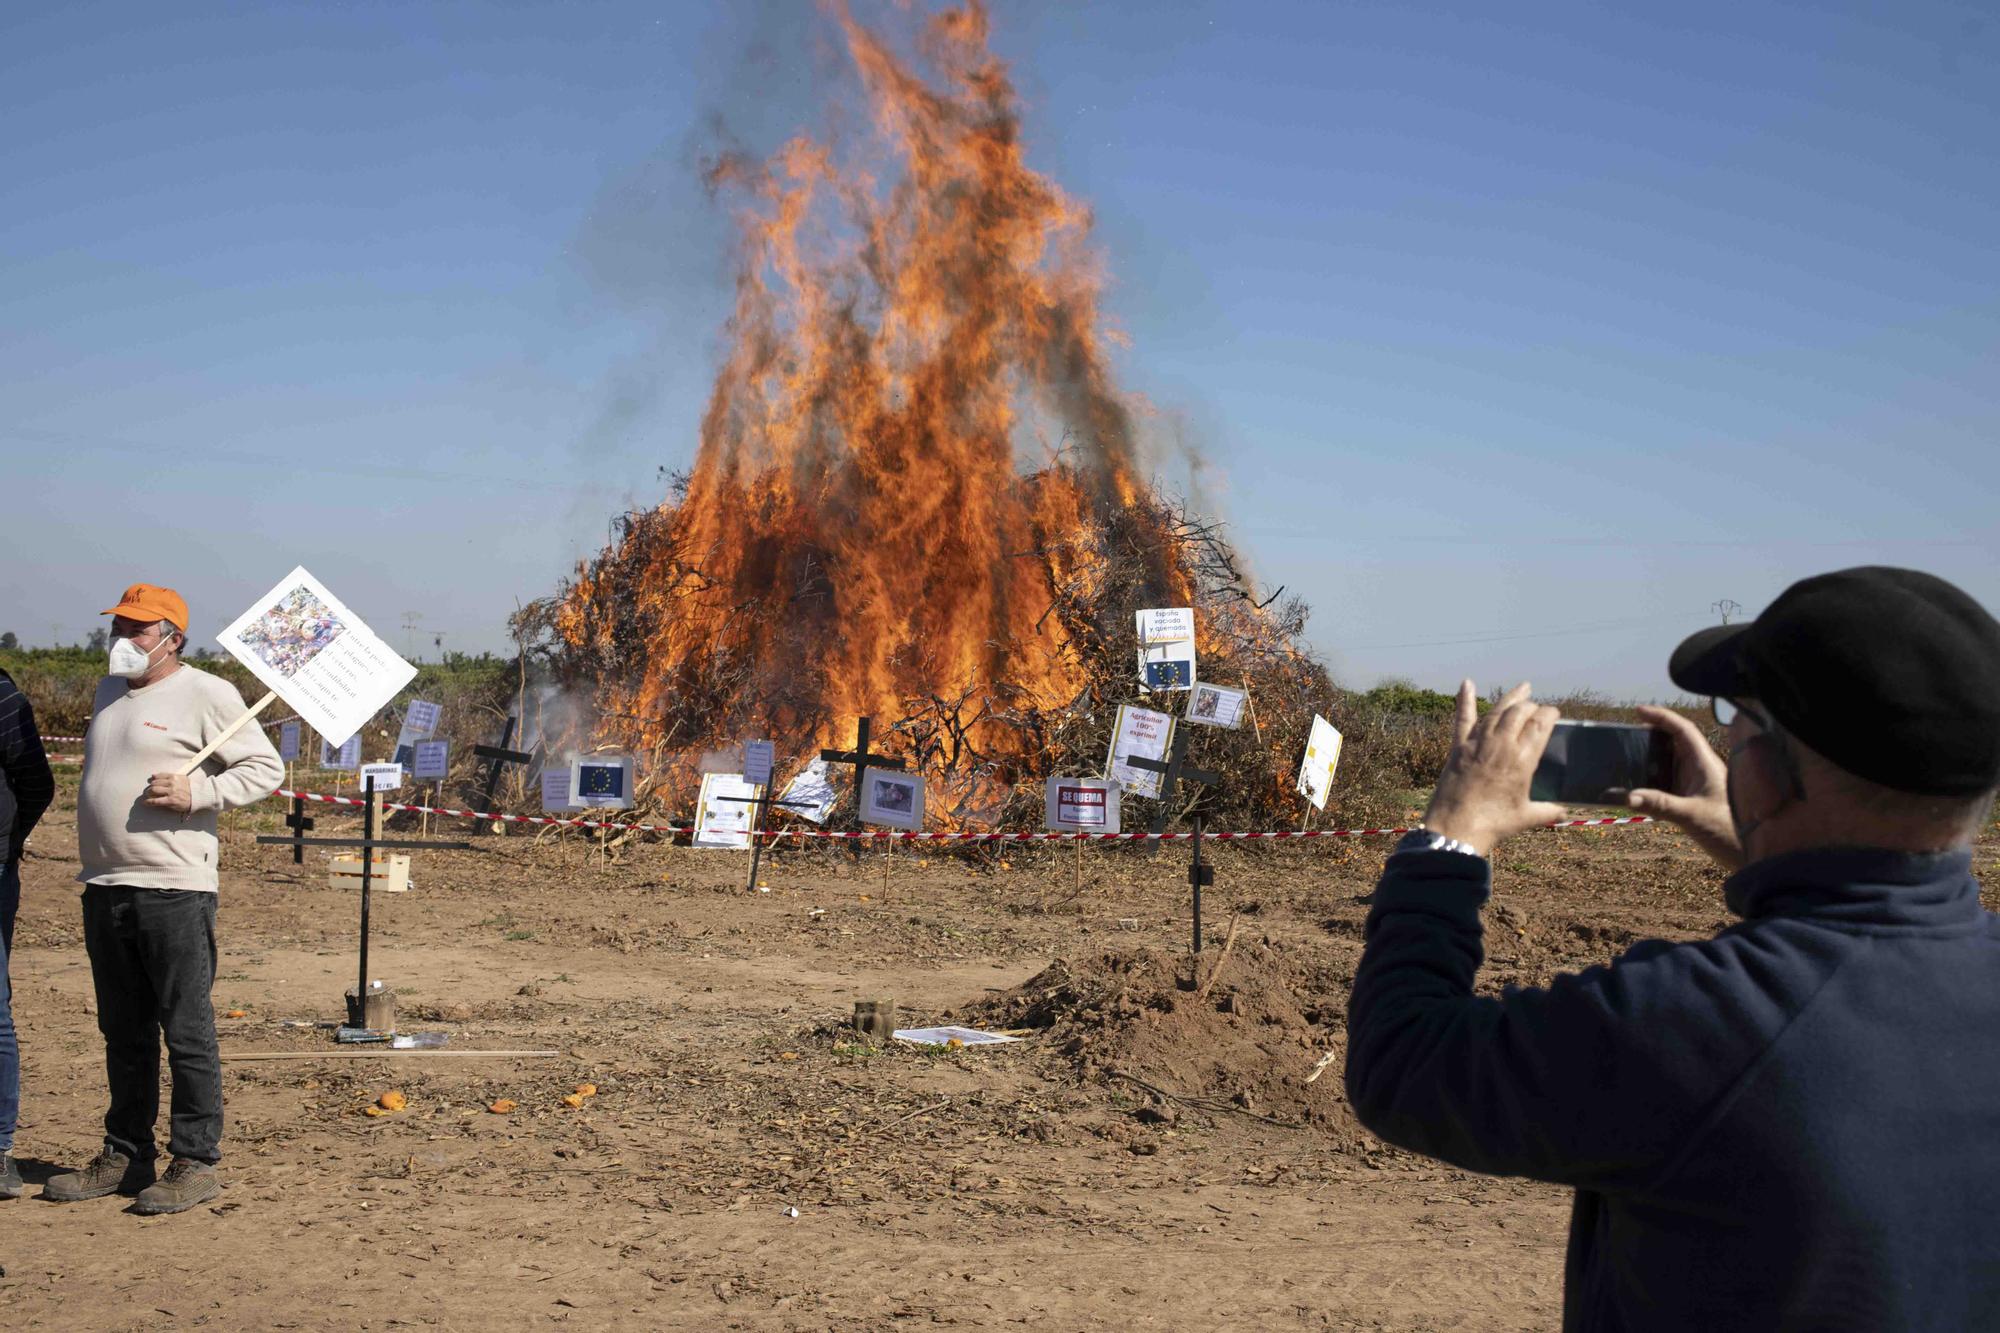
x=910, y=835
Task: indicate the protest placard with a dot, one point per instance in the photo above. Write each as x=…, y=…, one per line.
x=1166, y=648
x=430, y=760
x=420, y=722
x=288, y=741
x=555, y=790
x=1081, y=805
x=311, y=651
x=719, y=821
x=387, y=777
x=1214, y=706
x=757, y=760
x=601, y=782
x=1322, y=757
x=893, y=799
x=346, y=756
x=1142, y=733
x=810, y=795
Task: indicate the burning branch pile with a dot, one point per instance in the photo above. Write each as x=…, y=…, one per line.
x=917, y=494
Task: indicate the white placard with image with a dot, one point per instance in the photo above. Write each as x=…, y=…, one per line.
x=1166, y=648
x=1214, y=706
x=1322, y=758
x=430, y=760
x=893, y=799
x=721, y=823
x=387, y=777
x=1081, y=805
x=288, y=741
x=810, y=795
x=1138, y=733
x=345, y=756
x=303, y=643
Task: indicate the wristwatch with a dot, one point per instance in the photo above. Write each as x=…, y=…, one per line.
x=1423, y=840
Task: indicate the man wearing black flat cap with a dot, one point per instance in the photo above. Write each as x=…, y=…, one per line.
x=1796, y=1124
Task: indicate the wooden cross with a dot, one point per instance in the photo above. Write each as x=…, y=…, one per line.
x=1177, y=771
x=862, y=760
x=501, y=756
x=300, y=823
x=369, y=844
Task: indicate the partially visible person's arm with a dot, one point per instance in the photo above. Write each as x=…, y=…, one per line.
x=25, y=763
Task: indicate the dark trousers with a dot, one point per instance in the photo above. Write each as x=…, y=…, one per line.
x=10, y=1050
x=152, y=955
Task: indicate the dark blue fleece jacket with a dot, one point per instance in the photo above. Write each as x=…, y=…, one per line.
x=1794, y=1125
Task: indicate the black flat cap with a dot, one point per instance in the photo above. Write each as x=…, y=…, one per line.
x=1892, y=674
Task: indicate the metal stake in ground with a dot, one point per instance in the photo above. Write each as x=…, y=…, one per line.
x=369, y=845
x=300, y=823
x=862, y=761
x=501, y=756
x=1177, y=772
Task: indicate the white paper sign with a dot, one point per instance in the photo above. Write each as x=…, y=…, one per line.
x=344, y=756
x=555, y=790
x=601, y=782
x=1081, y=805
x=1214, y=706
x=288, y=741
x=387, y=777
x=1166, y=648
x=302, y=641
x=420, y=722
x=720, y=823
x=757, y=758
x=1322, y=757
x=810, y=795
x=430, y=759
x=1142, y=733
x=893, y=799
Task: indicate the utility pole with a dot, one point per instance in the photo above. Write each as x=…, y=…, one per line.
x=410, y=619
x=1725, y=608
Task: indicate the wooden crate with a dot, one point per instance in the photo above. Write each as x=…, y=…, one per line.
x=389, y=874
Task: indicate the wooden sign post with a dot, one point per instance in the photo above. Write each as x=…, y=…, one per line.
x=1200, y=875
x=758, y=805
x=500, y=756
x=369, y=845
x=862, y=760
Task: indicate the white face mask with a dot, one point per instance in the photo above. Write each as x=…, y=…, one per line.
x=131, y=661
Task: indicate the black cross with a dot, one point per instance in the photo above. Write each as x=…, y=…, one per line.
x=862, y=761
x=758, y=805
x=300, y=823
x=1177, y=771
x=369, y=844
x=501, y=756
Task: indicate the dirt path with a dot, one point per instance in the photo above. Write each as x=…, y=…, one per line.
x=1040, y=1183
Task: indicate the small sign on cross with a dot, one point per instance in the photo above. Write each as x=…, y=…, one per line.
x=862, y=760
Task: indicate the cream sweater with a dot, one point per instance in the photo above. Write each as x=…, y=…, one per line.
x=135, y=733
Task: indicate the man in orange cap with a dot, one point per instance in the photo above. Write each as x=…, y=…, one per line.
x=146, y=838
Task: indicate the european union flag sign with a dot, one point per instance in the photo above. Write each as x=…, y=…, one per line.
x=1177, y=674
x=603, y=780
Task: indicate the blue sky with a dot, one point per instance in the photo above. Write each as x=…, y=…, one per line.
x=1513, y=338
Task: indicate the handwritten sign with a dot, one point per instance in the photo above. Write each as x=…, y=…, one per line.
x=1081, y=805
x=1322, y=758
x=1142, y=733
x=306, y=646
x=430, y=760
x=555, y=790
x=1166, y=648
x=387, y=777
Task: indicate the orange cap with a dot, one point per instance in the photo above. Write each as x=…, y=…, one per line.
x=149, y=602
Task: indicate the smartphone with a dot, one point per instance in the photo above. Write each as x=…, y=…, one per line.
x=1596, y=763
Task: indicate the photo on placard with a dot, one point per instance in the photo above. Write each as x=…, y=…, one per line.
x=292, y=631
x=1214, y=706
x=894, y=799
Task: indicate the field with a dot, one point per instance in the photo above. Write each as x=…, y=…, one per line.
x=1143, y=1159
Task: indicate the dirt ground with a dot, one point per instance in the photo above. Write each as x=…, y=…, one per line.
x=1147, y=1157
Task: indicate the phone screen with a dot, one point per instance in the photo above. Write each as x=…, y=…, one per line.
x=1596, y=763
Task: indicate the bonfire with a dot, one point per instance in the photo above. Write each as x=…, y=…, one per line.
x=918, y=495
